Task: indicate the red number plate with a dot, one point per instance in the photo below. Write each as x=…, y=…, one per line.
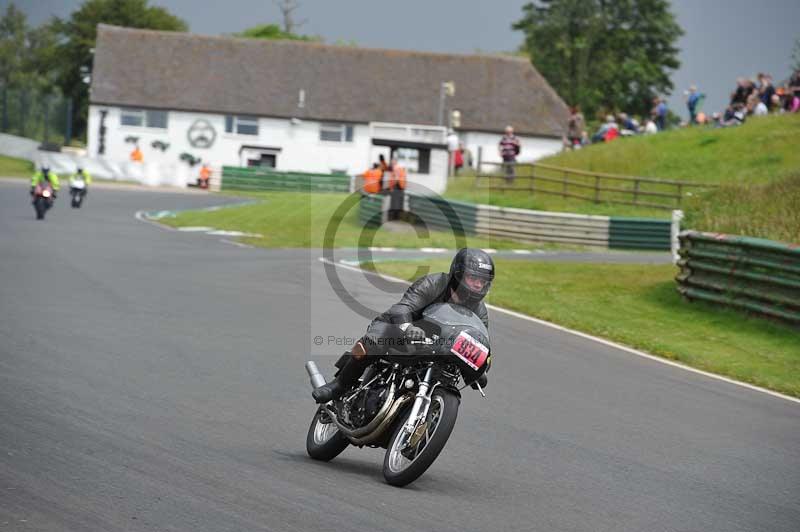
x=470, y=351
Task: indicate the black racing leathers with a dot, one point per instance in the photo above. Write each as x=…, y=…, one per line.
x=425, y=291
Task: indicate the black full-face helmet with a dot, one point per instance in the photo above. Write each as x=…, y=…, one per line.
x=474, y=262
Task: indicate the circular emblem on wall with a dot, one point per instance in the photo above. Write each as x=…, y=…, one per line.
x=201, y=134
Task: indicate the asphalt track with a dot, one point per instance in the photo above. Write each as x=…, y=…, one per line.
x=153, y=380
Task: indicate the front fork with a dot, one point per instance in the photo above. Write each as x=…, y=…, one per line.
x=422, y=402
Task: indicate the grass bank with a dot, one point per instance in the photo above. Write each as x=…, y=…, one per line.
x=637, y=305
x=757, y=165
x=13, y=167
x=299, y=219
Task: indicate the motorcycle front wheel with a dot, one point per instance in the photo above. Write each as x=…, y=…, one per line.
x=40, y=207
x=324, y=441
x=410, y=455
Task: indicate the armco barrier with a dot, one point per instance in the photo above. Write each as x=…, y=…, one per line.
x=753, y=274
x=638, y=233
x=522, y=225
x=370, y=210
x=258, y=179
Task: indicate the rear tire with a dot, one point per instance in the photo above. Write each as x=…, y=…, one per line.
x=398, y=469
x=324, y=441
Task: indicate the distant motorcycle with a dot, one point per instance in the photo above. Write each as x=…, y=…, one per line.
x=406, y=402
x=77, y=189
x=43, y=196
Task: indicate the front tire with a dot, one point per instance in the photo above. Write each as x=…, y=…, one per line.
x=402, y=465
x=324, y=441
x=38, y=205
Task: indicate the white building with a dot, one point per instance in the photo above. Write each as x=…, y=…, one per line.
x=305, y=106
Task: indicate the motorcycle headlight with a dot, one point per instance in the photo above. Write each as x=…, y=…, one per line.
x=46, y=193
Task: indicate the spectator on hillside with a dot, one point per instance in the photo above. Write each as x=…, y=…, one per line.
x=610, y=128
x=659, y=113
x=744, y=87
x=734, y=115
x=794, y=84
x=509, y=147
x=628, y=125
x=575, y=127
x=650, y=127
x=694, y=100
x=766, y=90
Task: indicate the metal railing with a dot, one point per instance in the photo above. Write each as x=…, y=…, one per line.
x=596, y=187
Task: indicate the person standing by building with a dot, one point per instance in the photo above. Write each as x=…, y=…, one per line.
x=205, y=176
x=575, y=127
x=136, y=154
x=397, y=188
x=509, y=147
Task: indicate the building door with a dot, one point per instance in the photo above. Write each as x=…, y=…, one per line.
x=265, y=160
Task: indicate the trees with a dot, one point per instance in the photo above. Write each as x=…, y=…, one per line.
x=77, y=35
x=273, y=31
x=600, y=54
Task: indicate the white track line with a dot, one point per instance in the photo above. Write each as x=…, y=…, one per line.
x=603, y=341
x=140, y=215
x=237, y=244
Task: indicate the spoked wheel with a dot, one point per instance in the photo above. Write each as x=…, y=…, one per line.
x=410, y=455
x=324, y=441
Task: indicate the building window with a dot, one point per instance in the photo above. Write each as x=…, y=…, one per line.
x=336, y=132
x=241, y=125
x=417, y=161
x=142, y=118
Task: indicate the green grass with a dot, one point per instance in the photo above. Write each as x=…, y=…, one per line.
x=637, y=305
x=765, y=210
x=761, y=151
x=13, y=167
x=299, y=219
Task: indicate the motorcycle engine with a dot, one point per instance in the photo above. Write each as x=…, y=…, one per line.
x=367, y=403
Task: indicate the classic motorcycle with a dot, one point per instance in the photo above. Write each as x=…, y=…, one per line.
x=42, y=199
x=406, y=401
x=77, y=188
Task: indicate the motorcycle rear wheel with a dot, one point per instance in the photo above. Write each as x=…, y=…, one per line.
x=324, y=441
x=403, y=465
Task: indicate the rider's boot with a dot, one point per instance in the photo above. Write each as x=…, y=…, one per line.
x=347, y=376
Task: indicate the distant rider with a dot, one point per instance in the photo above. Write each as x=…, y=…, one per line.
x=81, y=175
x=467, y=283
x=45, y=176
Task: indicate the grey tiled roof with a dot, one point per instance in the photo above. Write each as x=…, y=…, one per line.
x=182, y=71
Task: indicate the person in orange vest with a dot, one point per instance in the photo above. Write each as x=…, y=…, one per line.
x=397, y=187
x=205, y=175
x=136, y=155
x=372, y=180
x=397, y=179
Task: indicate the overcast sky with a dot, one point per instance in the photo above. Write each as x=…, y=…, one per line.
x=724, y=39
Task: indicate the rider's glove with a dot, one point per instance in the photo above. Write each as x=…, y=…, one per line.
x=415, y=334
x=482, y=380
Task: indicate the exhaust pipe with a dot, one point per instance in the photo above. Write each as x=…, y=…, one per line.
x=316, y=377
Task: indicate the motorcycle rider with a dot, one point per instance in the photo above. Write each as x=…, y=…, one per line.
x=81, y=175
x=467, y=283
x=45, y=175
